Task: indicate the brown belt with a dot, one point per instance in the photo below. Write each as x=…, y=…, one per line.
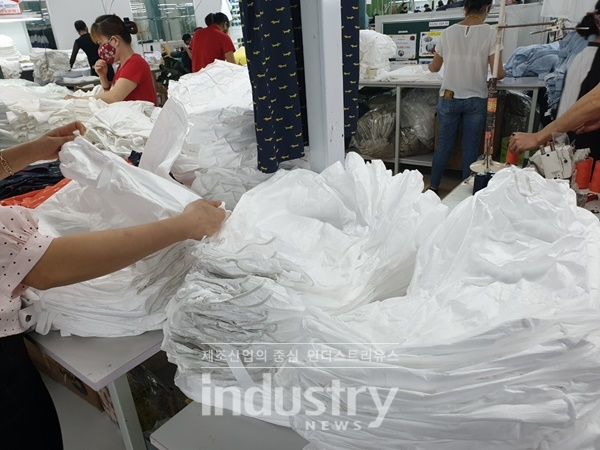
x=448, y=94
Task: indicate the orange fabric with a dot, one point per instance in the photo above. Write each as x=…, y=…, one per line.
x=34, y=199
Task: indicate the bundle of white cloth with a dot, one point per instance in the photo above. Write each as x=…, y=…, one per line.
x=411, y=72
x=50, y=65
x=107, y=193
x=495, y=346
x=333, y=241
x=376, y=49
x=28, y=110
x=217, y=156
x=8, y=51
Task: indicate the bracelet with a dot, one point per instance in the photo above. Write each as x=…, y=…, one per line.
x=107, y=89
x=5, y=164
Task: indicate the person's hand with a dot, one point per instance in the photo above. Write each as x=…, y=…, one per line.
x=202, y=218
x=101, y=68
x=73, y=97
x=49, y=144
x=522, y=142
x=592, y=125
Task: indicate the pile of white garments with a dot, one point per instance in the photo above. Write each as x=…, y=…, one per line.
x=214, y=151
x=376, y=49
x=8, y=51
x=410, y=72
x=332, y=241
x=50, y=65
x=9, y=58
x=496, y=345
x=108, y=193
x=28, y=110
x=32, y=110
x=120, y=127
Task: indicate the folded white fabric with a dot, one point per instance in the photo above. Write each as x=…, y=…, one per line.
x=108, y=193
x=416, y=72
x=8, y=51
x=496, y=344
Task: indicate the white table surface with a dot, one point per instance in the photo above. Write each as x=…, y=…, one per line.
x=99, y=361
x=190, y=430
x=506, y=83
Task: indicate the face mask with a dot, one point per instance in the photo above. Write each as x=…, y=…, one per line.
x=107, y=52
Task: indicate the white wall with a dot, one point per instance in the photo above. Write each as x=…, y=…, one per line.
x=570, y=9
x=203, y=7
x=63, y=13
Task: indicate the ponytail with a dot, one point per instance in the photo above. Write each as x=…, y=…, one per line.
x=216, y=19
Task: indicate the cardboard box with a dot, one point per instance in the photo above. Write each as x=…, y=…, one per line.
x=58, y=373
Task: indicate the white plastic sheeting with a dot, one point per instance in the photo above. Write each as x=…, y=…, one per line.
x=496, y=343
x=108, y=193
x=332, y=241
x=217, y=153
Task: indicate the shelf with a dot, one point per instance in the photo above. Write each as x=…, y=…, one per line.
x=416, y=160
x=424, y=160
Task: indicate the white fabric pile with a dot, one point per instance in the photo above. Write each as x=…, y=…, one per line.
x=410, y=72
x=496, y=345
x=332, y=241
x=28, y=110
x=120, y=127
x=214, y=151
x=8, y=51
x=49, y=65
x=376, y=49
x=108, y=193
x=9, y=58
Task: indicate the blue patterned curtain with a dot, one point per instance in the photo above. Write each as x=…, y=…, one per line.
x=273, y=40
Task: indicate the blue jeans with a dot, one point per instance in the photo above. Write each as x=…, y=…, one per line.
x=472, y=113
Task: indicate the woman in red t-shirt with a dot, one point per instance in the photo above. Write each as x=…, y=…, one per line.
x=133, y=79
x=212, y=43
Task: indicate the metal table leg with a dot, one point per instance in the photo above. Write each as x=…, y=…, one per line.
x=531, y=119
x=122, y=401
x=397, y=133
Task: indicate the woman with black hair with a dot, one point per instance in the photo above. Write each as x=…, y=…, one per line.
x=85, y=43
x=212, y=43
x=465, y=49
x=133, y=79
x=583, y=75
